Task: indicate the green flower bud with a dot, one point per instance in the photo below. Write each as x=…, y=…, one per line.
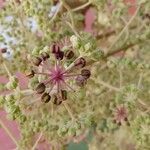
x=75, y=41
x=12, y=84
x=2, y=100
x=87, y=46
x=9, y=97
x=62, y=131
x=35, y=51
x=72, y=131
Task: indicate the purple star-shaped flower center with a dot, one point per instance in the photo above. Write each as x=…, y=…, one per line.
x=57, y=75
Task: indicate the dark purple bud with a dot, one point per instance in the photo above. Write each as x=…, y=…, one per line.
x=4, y=50
x=81, y=62
x=55, y=48
x=64, y=94
x=119, y=123
x=45, y=98
x=80, y=80
x=55, y=1
x=40, y=88
x=45, y=56
x=86, y=73
x=69, y=54
x=59, y=55
x=126, y=119
x=37, y=61
x=30, y=74
x=57, y=101
x=114, y=121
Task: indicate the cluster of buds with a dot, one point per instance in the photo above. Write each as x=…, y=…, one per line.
x=58, y=77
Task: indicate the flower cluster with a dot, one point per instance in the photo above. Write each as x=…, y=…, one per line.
x=58, y=79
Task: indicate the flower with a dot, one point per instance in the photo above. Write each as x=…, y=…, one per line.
x=58, y=79
x=120, y=115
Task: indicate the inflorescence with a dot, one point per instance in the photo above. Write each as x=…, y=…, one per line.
x=58, y=80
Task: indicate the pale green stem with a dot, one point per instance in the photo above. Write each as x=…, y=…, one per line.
x=52, y=109
x=69, y=110
x=82, y=6
x=72, y=64
x=54, y=16
x=7, y=70
x=124, y=29
x=121, y=77
x=37, y=141
x=73, y=29
x=108, y=85
x=140, y=80
x=69, y=11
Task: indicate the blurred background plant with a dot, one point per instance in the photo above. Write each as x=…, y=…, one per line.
x=51, y=40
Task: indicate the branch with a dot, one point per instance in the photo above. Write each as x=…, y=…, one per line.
x=82, y=6
x=37, y=141
x=120, y=34
x=124, y=48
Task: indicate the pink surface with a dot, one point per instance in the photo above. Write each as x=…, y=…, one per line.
x=5, y=141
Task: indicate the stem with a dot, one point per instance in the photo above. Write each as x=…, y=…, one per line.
x=71, y=65
x=140, y=80
x=121, y=77
x=130, y=21
x=69, y=86
x=52, y=109
x=107, y=34
x=69, y=11
x=123, y=48
x=8, y=132
x=45, y=65
x=71, y=75
x=40, y=73
x=7, y=70
x=108, y=85
x=37, y=141
x=145, y=105
x=73, y=29
x=40, y=76
x=54, y=16
x=28, y=91
x=82, y=6
x=69, y=110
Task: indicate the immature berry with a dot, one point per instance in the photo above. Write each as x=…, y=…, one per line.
x=69, y=54
x=55, y=48
x=40, y=88
x=59, y=55
x=45, y=98
x=4, y=50
x=30, y=74
x=86, y=73
x=64, y=94
x=57, y=101
x=45, y=56
x=80, y=80
x=81, y=62
x=37, y=61
x=55, y=1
